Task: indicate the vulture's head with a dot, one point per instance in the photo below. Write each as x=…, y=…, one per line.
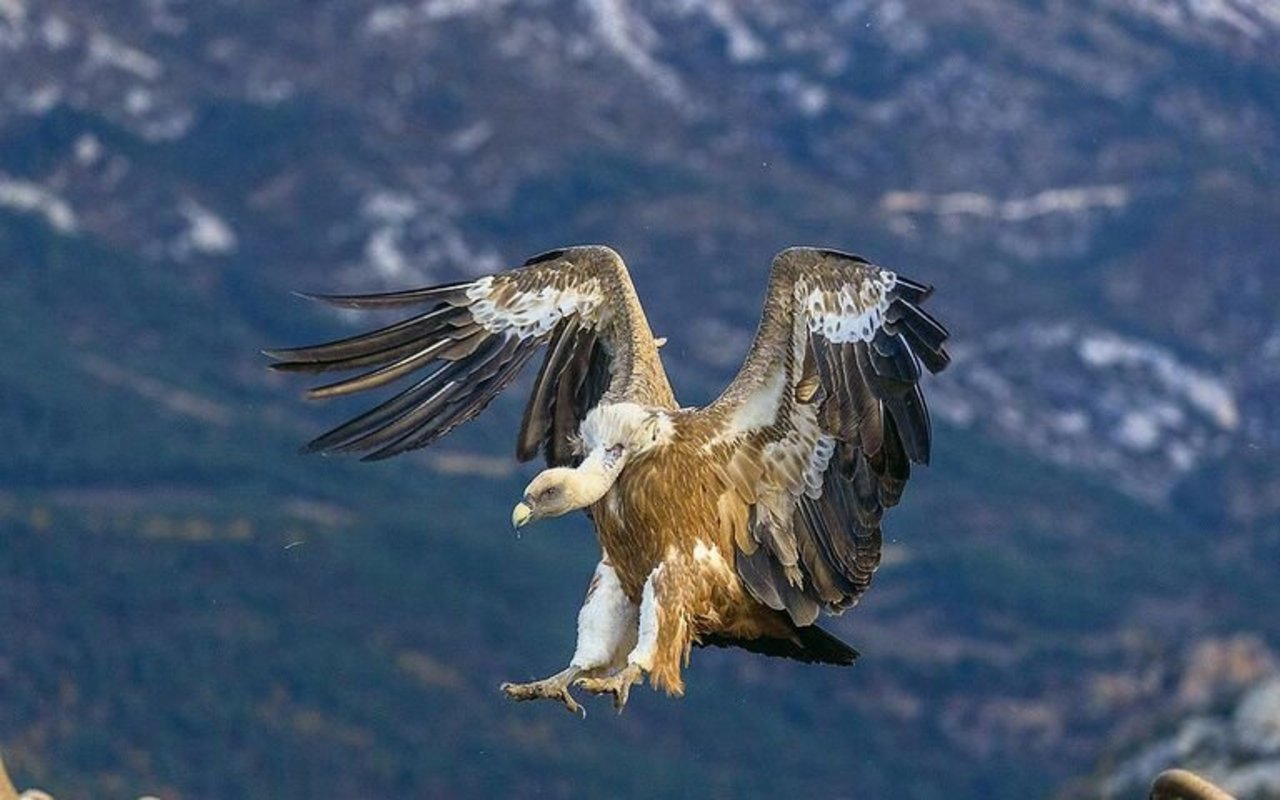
x=559, y=490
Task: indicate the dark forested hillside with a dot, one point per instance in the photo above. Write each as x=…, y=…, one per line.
x=189, y=608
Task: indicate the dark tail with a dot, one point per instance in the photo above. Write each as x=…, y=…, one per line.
x=811, y=645
x=824, y=648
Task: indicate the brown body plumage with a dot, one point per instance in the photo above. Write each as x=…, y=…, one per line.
x=647, y=521
x=733, y=524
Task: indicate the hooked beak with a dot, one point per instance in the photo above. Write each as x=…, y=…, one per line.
x=520, y=515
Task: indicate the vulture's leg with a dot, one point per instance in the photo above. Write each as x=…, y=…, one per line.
x=662, y=641
x=618, y=684
x=606, y=628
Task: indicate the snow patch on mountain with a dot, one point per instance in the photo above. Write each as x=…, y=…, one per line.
x=1106, y=351
x=107, y=51
x=444, y=9
x=398, y=18
x=32, y=198
x=630, y=37
x=206, y=233
x=741, y=41
x=411, y=235
x=56, y=33
x=1069, y=200
x=1087, y=398
x=389, y=212
x=13, y=12
x=810, y=99
x=1252, y=18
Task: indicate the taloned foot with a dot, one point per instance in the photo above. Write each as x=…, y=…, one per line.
x=554, y=688
x=618, y=684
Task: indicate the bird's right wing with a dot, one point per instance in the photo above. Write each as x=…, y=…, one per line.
x=818, y=430
x=471, y=341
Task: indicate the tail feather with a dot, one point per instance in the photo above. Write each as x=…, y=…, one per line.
x=825, y=648
x=810, y=644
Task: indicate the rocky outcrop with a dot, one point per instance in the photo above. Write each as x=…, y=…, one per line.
x=1239, y=749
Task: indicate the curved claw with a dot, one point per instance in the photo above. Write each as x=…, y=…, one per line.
x=554, y=688
x=618, y=684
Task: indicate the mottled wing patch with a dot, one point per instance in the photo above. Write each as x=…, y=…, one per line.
x=846, y=311
x=501, y=306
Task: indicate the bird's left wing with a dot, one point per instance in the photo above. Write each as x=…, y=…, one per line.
x=472, y=338
x=817, y=433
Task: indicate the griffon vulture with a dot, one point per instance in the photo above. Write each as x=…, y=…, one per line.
x=733, y=524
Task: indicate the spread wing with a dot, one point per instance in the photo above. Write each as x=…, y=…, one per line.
x=818, y=431
x=467, y=341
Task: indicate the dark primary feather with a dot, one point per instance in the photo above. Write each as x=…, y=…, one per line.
x=423, y=395
x=846, y=531
x=538, y=412
x=482, y=385
x=912, y=291
x=542, y=258
x=424, y=417
x=469, y=366
x=596, y=380
x=925, y=334
x=765, y=580
x=448, y=292
x=891, y=466
x=451, y=347
x=368, y=348
x=892, y=358
x=562, y=406
x=841, y=255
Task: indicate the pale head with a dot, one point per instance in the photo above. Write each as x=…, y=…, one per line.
x=559, y=490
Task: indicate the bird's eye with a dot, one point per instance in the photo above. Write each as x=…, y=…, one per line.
x=550, y=491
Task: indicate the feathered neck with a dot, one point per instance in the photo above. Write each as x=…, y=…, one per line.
x=593, y=478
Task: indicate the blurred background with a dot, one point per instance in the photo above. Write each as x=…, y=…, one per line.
x=1081, y=590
